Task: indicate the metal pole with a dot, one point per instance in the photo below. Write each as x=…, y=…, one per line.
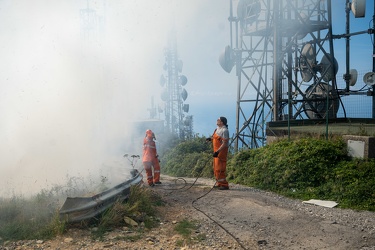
x=238, y=65
x=238, y=73
x=276, y=60
x=373, y=62
x=333, y=66
x=347, y=75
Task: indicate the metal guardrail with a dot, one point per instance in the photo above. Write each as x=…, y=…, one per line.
x=77, y=209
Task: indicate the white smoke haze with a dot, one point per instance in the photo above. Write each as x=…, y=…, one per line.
x=67, y=96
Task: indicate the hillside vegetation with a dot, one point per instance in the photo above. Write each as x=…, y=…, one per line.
x=307, y=168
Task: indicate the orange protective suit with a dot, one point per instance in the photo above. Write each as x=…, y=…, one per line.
x=150, y=158
x=220, y=162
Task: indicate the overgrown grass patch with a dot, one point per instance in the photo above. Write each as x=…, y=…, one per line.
x=308, y=168
x=190, y=158
x=186, y=229
x=140, y=207
x=38, y=217
x=29, y=218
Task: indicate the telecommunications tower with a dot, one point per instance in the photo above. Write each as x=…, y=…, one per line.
x=286, y=69
x=92, y=21
x=174, y=94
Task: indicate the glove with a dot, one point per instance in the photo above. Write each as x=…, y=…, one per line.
x=208, y=139
x=215, y=154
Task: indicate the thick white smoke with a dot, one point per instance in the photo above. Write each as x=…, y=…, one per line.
x=68, y=92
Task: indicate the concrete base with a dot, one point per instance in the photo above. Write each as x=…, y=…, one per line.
x=359, y=133
x=360, y=146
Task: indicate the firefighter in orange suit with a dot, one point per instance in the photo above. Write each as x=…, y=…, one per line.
x=220, y=142
x=150, y=159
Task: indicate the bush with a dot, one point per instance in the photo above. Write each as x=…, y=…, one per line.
x=29, y=218
x=307, y=168
x=190, y=158
x=304, y=168
x=140, y=207
x=353, y=184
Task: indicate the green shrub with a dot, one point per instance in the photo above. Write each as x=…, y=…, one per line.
x=190, y=158
x=302, y=168
x=29, y=218
x=353, y=184
x=307, y=168
x=140, y=206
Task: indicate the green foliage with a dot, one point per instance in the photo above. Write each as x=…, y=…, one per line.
x=29, y=218
x=353, y=184
x=38, y=217
x=302, y=168
x=190, y=158
x=140, y=207
x=307, y=168
x=185, y=228
x=289, y=164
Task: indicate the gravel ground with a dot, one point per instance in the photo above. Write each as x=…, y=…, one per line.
x=239, y=218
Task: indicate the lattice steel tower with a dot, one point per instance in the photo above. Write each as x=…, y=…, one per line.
x=174, y=95
x=283, y=54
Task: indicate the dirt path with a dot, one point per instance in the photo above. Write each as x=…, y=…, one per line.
x=263, y=220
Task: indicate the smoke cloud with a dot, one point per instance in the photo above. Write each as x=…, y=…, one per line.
x=69, y=86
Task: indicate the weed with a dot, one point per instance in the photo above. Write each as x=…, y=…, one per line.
x=362, y=130
x=185, y=228
x=140, y=207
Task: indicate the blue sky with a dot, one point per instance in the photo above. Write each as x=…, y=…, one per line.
x=361, y=45
x=66, y=100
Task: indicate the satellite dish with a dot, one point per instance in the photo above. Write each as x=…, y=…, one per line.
x=185, y=108
x=308, y=65
x=187, y=121
x=315, y=105
x=227, y=59
x=248, y=11
x=308, y=52
x=179, y=65
x=305, y=20
x=358, y=8
x=165, y=96
x=182, y=80
x=353, y=77
x=184, y=94
x=326, y=69
x=307, y=62
x=162, y=80
x=369, y=78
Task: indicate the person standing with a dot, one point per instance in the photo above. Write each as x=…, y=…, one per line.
x=150, y=159
x=220, y=143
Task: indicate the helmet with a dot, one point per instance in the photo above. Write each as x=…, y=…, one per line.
x=150, y=134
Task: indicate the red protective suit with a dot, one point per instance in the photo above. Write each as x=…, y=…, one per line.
x=150, y=159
